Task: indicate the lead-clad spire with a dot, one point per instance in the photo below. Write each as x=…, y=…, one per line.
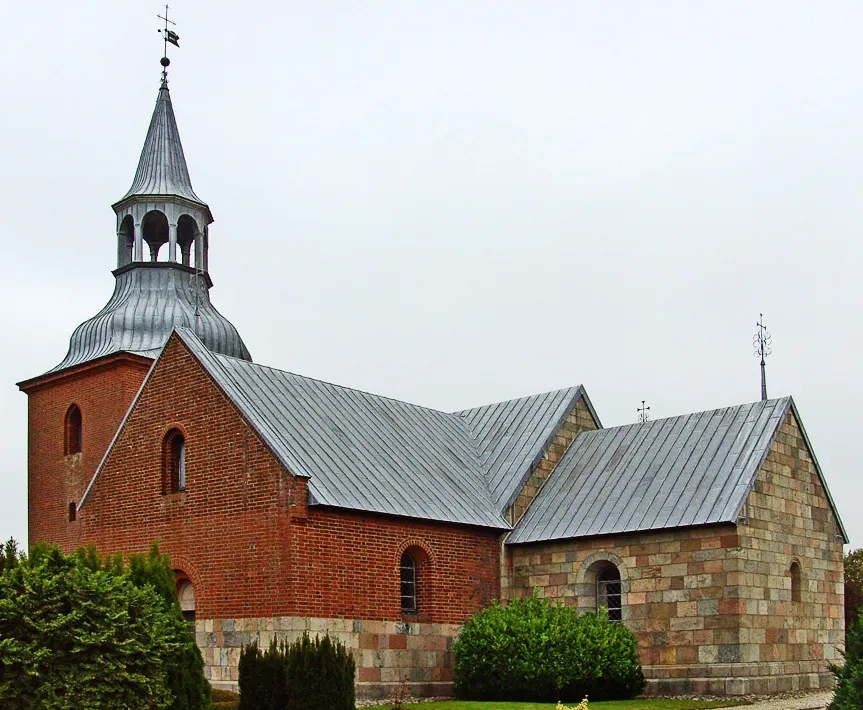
x=162, y=169
x=162, y=275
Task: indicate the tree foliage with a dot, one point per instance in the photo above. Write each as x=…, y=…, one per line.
x=853, y=562
x=80, y=631
x=537, y=651
x=849, y=677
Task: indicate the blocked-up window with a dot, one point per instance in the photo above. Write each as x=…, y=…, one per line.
x=795, y=581
x=608, y=592
x=73, y=436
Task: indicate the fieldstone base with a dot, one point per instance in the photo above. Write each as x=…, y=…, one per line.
x=388, y=654
x=729, y=679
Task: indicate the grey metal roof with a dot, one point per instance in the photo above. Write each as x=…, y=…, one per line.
x=360, y=451
x=694, y=469
x=150, y=299
x=162, y=166
x=511, y=437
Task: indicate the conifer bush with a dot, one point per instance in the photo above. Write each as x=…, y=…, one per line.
x=849, y=677
x=79, y=631
x=308, y=674
x=533, y=650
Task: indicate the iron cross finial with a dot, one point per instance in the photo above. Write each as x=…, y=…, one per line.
x=643, y=415
x=168, y=35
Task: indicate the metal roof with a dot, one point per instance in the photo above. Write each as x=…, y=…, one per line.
x=359, y=450
x=149, y=300
x=162, y=166
x=512, y=436
x=695, y=469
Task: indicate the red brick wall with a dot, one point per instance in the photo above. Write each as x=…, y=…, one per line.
x=103, y=392
x=241, y=530
x=348, y=565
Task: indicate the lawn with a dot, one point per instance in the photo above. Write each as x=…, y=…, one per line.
x=641, y=704
x=231, y=703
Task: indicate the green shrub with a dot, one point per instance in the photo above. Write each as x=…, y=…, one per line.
x=533, y=650
x=305, y=675
x=78, y=631
x=849, y=677
x=320, y=675
x=262, y=680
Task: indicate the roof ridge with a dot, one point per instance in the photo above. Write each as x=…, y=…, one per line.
x=772, y=400
x=461, y=412
x=343, y=387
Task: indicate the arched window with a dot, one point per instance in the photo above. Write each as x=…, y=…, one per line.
x=608, y=592
x=408, y=568
x=173, y=462
x=73, y=437
x=795, y=581
x=186, y=597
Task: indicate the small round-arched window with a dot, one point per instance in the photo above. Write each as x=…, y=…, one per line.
x=608, y=592
x=408, y=567
x=173, y=462
x=186, y=597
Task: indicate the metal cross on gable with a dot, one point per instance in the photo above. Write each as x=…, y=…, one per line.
x=643, y=413
x=761, y=343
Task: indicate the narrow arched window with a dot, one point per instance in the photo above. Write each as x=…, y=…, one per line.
x=408, y=568
x=608, y=592
x=73, y=435
x=173, y=462
x=795, y=581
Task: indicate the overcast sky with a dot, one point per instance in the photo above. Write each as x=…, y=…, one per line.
x=459, y=202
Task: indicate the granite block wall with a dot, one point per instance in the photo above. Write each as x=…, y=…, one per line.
x=712, y=607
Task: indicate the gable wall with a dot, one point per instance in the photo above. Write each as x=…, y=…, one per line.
x=262, y=562
x=580, y=419
x=103, y=393
x=711, y=607
x=789, y=517
x=227, y=529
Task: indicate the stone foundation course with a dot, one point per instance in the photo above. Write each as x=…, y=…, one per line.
x=387, y=653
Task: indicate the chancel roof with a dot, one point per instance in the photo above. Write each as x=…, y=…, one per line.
x=695, y=469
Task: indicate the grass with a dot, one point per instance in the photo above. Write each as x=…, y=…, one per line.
x=640, y=704
x=223, y=700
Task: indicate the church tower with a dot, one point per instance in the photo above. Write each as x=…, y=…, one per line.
x=162, y=280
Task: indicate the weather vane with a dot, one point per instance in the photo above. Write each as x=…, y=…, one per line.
x=643, y=415
x=168, y=35
x=761, y=342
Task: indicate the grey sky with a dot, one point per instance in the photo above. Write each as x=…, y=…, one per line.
x=454, y=203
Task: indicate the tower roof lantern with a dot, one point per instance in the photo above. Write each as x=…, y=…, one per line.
x=162, y=169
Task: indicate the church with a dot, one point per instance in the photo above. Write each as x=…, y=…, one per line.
x=289, y=504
